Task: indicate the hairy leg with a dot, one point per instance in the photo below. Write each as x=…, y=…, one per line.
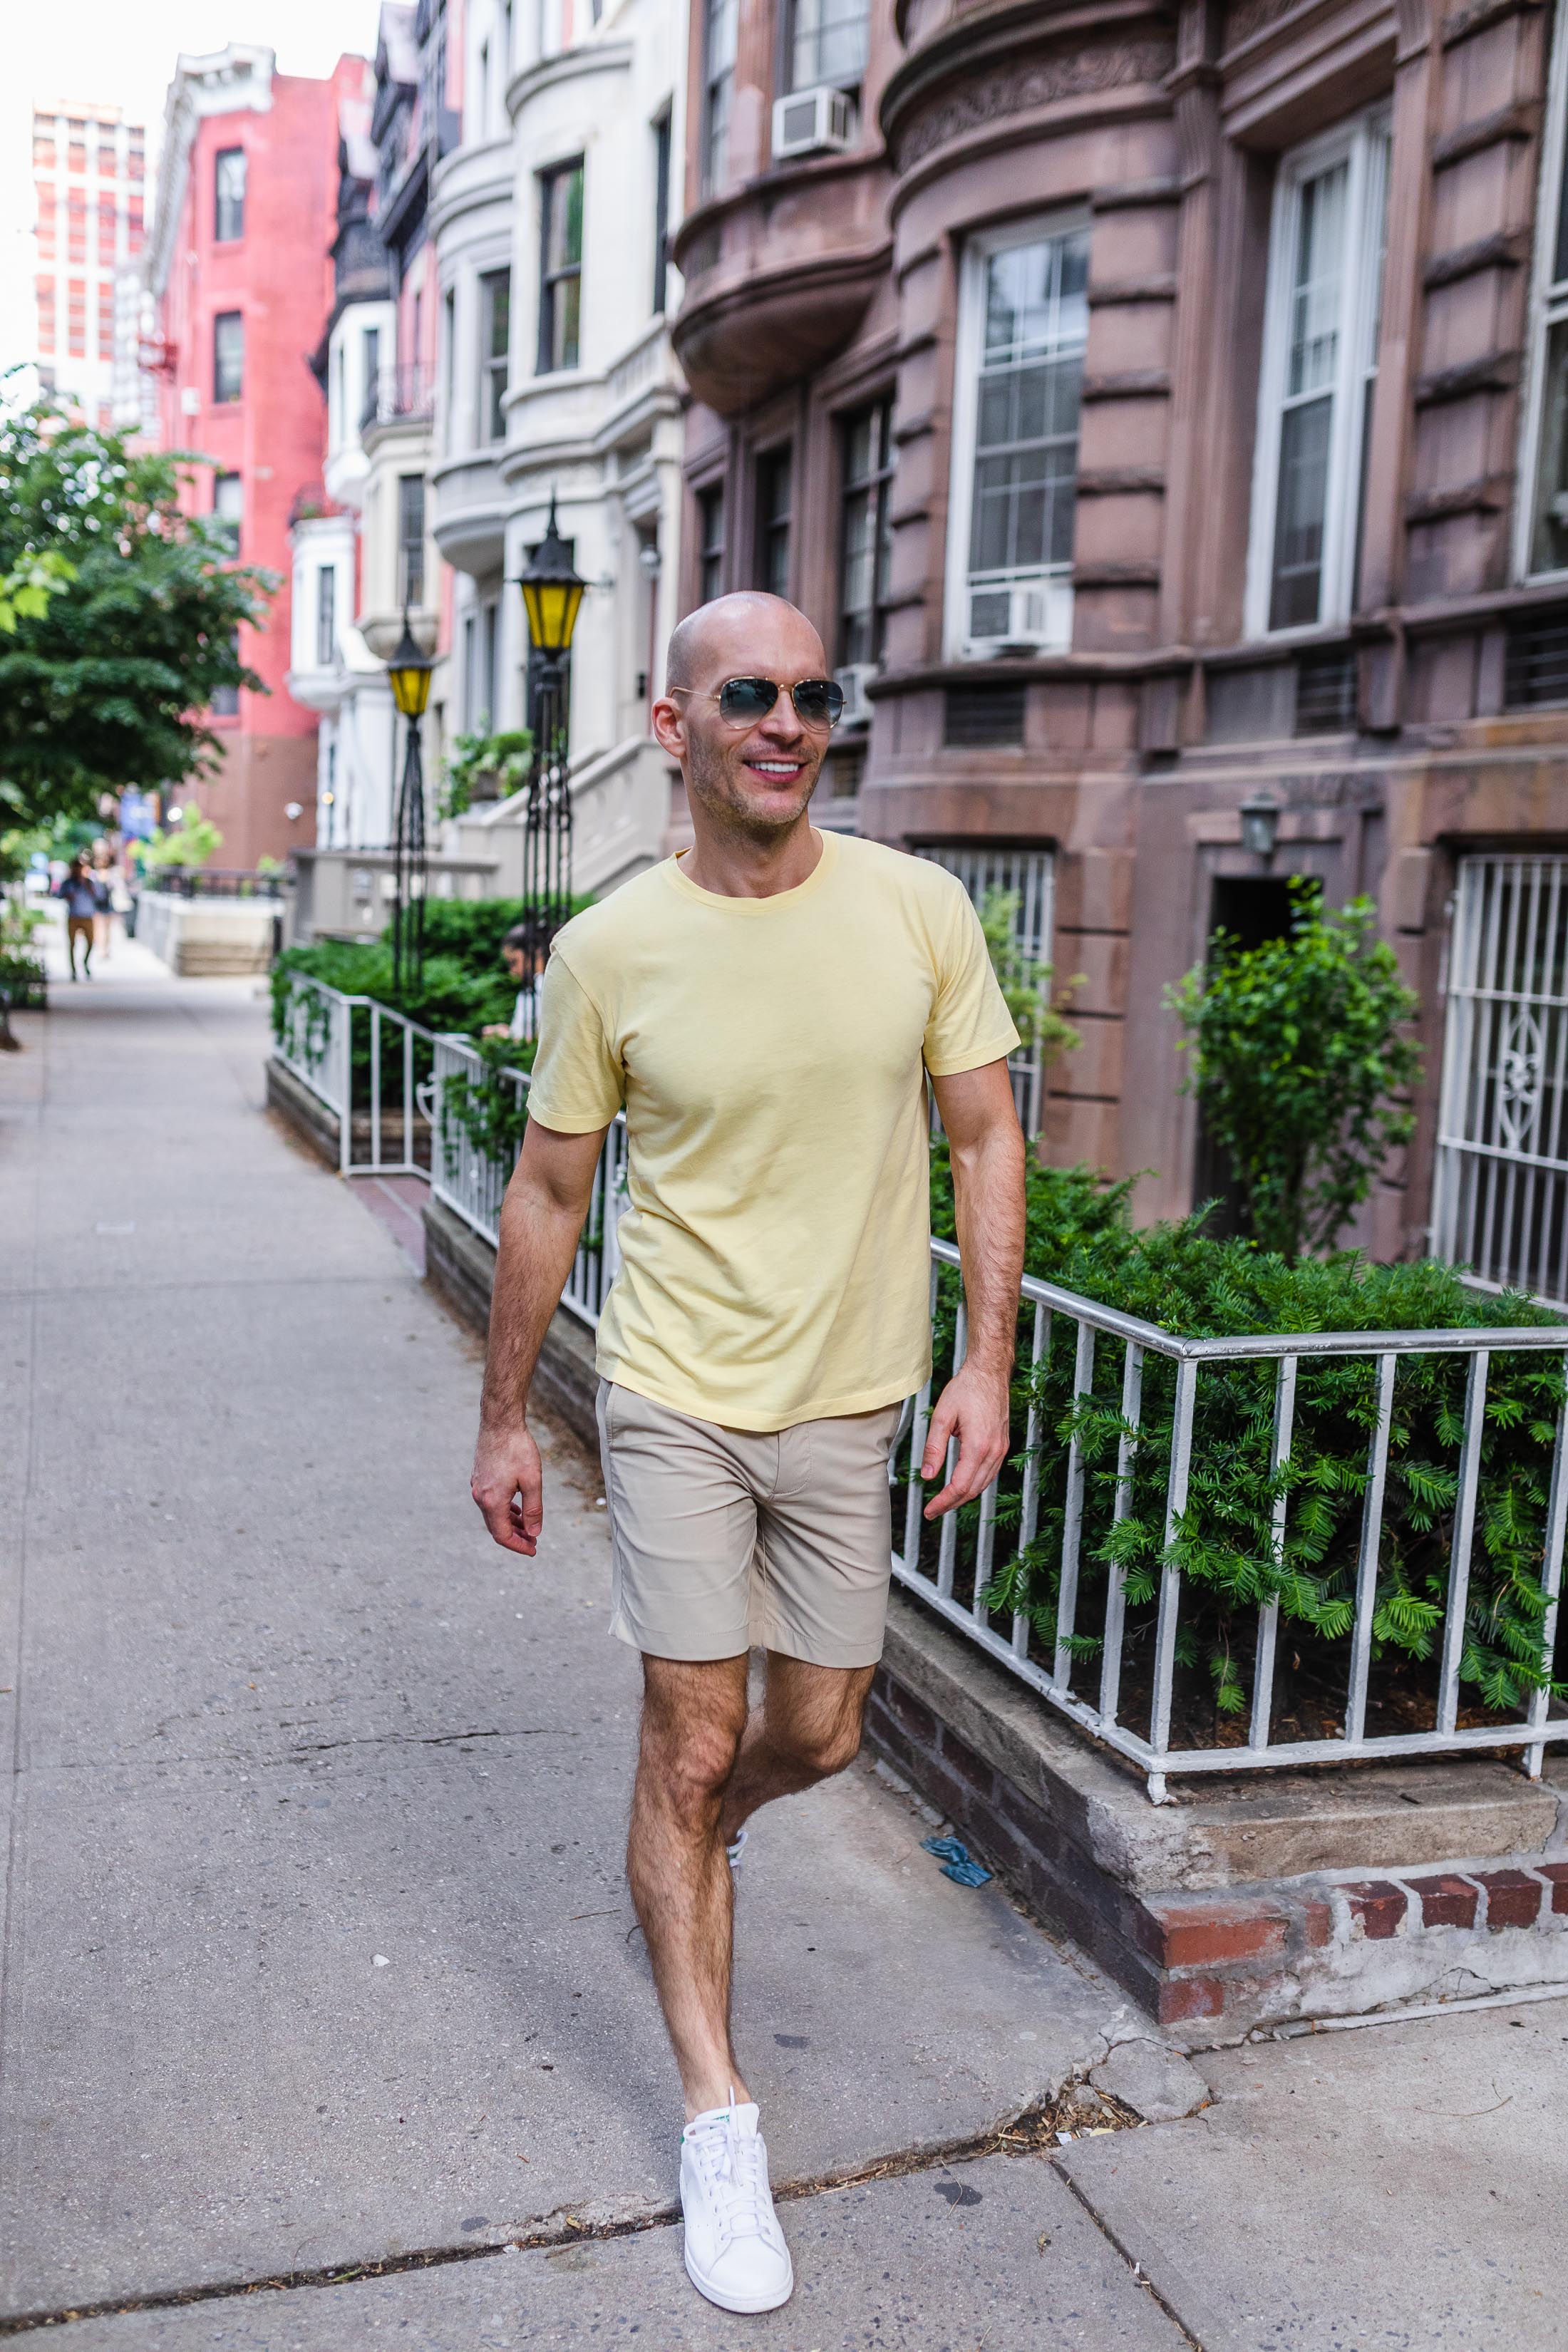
x=693, y=1717
x=807, y=1728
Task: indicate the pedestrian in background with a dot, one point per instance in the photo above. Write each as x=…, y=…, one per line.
x=514, y=954
x=103, y=915
x=85, y=898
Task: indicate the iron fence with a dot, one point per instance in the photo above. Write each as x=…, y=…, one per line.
x=952, y=1566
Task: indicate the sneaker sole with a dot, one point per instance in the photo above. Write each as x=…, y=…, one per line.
x=741, y=2303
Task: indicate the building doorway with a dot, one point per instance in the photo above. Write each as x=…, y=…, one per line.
x=1253, y=908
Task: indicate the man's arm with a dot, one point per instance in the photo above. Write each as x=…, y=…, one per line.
x=987, y=1154
x=540, y=1219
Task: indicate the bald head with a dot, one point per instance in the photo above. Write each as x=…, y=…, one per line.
x=749, y=635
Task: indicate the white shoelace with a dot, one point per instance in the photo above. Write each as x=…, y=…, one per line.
x=732, y=2173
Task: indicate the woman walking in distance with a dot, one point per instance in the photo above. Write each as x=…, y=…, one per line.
x=85, y=898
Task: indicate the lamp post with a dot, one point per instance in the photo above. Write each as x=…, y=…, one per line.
x=408, y=672
x=551, y=593
x=1259, y=823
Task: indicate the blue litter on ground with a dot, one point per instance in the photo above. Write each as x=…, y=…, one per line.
x=956, y=1861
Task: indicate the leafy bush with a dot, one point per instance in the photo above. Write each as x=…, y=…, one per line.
x=1296, y=1060
x=1179, y=1277
x=505, y=757
x=456, y=993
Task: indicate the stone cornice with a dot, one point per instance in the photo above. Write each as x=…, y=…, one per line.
x=567, y=65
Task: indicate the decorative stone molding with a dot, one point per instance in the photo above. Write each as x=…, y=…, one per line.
x=1012, y=87
x=1490, y=494
x=1520, y=121
x=1116, y=575
x=1134, y=195
x=1110, y=291
x=1507, y=250
x=1249, y=17
x=1493, y=372
x=1120, y=481
x=1482, y=15
x=1127, y=384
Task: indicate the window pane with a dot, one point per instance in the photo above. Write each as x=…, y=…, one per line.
x=229, y=502
x=829, y=43
x=228, y=356
x=1549, y=542
x=721, y=20
x=326, y=625
x=710, y=544
x=411, y=538
x=1318, y=289
x=772, y=522
x=229, y=192
x=1302, y=505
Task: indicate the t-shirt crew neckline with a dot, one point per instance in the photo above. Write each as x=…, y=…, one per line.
x=776, y=899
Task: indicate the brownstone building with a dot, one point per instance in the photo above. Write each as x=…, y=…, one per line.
x=1164, y=409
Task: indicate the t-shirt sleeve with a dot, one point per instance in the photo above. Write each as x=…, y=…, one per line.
x=970, y=1023
x=577, y=1082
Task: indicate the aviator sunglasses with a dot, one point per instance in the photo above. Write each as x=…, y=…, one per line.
x=818, y=701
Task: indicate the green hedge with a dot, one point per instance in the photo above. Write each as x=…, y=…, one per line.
x=1181, y=1279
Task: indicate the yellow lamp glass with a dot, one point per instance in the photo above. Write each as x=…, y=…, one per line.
x=551, y=608
x=408, y=673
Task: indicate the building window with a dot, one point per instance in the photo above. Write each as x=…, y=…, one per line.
x=411, y=539
x=1028, y=876
x=1023, y=321
x=720, y=22
x=660, y=212
x=370, y=376
x=326, y=616
x=495, y=306
x=229, y=195
x=1545, y=548
x=228, y=356
x=774, y=473
x=828, y=42
x=228, y=508
x=709, y=543
x=561, y=266
x=225, y=700
x=866, y=539
x=1320, y=363
x=449, y=360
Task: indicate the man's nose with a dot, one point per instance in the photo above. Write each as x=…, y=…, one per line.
x=781, y=724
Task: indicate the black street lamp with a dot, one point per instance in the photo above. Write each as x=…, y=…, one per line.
x=551, y=593
x=409, y=674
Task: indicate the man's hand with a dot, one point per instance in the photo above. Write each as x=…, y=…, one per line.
x=507, y=1485
x=974, y=1407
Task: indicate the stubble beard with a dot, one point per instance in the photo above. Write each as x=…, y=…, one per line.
x=711, y=779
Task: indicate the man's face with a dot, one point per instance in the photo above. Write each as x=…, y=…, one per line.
x=758, y=774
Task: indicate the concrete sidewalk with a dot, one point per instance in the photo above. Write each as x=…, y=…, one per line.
x=319, y=1955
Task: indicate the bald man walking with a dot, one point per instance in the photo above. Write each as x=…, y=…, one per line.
x=767, y=1007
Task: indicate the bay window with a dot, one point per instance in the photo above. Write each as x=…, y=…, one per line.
x=1315, y=385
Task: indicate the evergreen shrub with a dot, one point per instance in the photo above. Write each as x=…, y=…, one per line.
x=1181, y=1279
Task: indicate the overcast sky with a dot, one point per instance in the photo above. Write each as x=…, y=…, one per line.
x=122, y=53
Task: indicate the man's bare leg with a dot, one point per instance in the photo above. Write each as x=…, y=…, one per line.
x=693, y=1718
x=807, y=1728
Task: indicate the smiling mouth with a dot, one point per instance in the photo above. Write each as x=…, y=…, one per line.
x=777, y=771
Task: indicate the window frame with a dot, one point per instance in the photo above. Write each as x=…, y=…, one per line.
x=1362, y=141
x=411, y=582
x=711, y=501
x=790, y=81
x=1548, y=304
x=773, y=528
x=718, y=95
x=222, y=399
x=493, y=365
x=232, y=525
x=662, y=133
x=220, y=198
x=326, y=616
x=553, y=181
x=969, y=351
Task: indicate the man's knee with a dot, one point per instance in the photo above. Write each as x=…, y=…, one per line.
x=823, y=1748
x=691, y=1733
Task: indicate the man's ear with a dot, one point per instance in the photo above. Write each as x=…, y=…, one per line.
x=668, y=727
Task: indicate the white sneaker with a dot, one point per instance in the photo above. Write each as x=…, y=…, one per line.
x=733, y=1852
x=735, y=2252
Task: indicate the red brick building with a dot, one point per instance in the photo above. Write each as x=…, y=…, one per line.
x=240, y=267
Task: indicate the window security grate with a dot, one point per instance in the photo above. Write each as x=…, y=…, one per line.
x=1535, y=659
x=979, y=715
x=1326, y=693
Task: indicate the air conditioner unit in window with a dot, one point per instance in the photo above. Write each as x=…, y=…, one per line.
x=809, y=119
x=1021, y=612
x=853, y=679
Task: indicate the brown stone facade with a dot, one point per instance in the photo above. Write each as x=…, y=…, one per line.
x=1339, y=607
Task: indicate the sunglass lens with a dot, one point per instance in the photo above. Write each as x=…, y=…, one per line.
x=747, y=698
x=820, y=701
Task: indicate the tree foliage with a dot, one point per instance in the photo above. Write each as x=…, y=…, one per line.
x=123, y=617
x=1298, y=1061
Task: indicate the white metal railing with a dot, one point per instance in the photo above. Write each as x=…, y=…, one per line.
x=317, y=1046
x=1099, y=1713
x=383, y=1115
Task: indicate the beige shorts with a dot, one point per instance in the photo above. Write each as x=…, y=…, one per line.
x=728, y=1540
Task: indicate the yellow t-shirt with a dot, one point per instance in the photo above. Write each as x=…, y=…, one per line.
x=771, y=1055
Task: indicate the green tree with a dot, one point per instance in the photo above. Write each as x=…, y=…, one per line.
x=1298, y=1061
x=119, y=622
